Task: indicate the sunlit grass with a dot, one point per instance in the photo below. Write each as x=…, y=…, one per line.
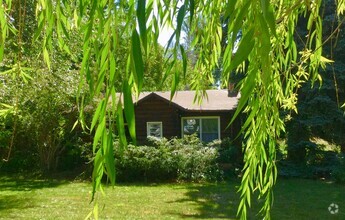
x=49, y=199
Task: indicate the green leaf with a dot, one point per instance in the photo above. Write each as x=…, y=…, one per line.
x=141, y=7
x=129, y=110
x=95, y=211
x=268, y=13
x=325, y=60
x=97, y=115
x=191, y=11
x=120, y=124
x=249, y=118
x=2, y=47
x=229, y=9
x=25, y=76
x=112, y=70
x=243, y=51
x=137, y=60
x=175, y=82
x=97, y=172
x=88, y=215
x=64, y=29
x=184, y=60
x=75, y=125
x=180, y=17
x=38, y=31
x=109, y=158
x=238, y=23
x=46, y=57
x=100, y=81
x=170, y=42
x=99, y=133
x=246, y=91
x=340, y=7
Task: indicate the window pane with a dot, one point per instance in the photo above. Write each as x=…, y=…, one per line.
x=209, y=129
x=154, y=129
x=191, y=126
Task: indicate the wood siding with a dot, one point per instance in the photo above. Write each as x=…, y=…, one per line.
x=155, y=109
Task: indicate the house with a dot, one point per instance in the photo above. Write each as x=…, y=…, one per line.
x=158, y=116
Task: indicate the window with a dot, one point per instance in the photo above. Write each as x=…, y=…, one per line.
x=154, y=129
x=206, y=128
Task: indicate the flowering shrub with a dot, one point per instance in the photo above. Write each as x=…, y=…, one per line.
x=185, y=159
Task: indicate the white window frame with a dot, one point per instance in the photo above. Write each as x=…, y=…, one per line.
x=149, y=123
x=200, y=123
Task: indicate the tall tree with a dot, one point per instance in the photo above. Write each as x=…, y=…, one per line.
x=319, y=112
x=274, y=66
x=35, y=92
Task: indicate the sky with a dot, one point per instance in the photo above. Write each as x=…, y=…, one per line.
x=164, y=36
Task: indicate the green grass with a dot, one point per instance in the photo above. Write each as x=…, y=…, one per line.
x=51, y=199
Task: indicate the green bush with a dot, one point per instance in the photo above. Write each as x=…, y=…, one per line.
x=185, y=159
x=144, y=163
x=317, y=163
x=338, y=173
x=195, y=161
x=230, y=158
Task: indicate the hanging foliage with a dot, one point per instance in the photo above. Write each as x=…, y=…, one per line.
x=260, y=40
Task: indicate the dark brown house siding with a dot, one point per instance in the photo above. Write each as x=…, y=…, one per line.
x=155, y=109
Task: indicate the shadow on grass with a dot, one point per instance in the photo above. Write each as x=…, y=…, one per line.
x=27, y=184
x=17, y=191
x=218, y=201
x=295, y=199
x=9, y=202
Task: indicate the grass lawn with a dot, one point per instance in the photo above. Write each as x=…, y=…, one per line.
x=51, y=199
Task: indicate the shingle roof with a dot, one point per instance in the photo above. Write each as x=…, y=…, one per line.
x=216, y=100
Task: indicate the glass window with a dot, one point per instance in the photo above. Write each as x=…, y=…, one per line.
x=154, y=129
x=191, y=126
x=207, y=129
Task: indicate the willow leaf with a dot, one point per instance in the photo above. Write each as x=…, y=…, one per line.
x=137, y=58
x=95, y=211
x=237, y=24
x=175, y=82
x=46, y=57
x=230, y=9
x=98, y=135
x=184, y=60
x=246, y=91
x=171, y=39
x=267, y=10
x=120, y=124
x=97, y=172
x=129, y=110
x=97, y=114
x=180, y=17
x=243, y=51
x=109, y=157
x=191, y=10
x=142, y=22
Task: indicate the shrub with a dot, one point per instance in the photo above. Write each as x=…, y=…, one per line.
x=338, y=174
x=195, y=161
x=144, y=163
x=316, y=163
x=230, y=158
x=185, y=159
